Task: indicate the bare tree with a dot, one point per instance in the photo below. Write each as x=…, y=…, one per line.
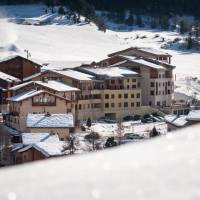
x=119, y=131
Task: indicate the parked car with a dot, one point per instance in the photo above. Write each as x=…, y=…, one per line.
x=132, y=136
x=128, y=118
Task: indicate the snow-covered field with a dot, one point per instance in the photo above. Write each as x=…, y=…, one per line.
x=60, y=41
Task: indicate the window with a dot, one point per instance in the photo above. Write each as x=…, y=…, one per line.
x=133, y=86
x=126, y=104
x=138, y=104
x=128, y=87
x=107, y=96
x=112, y=96
x=132, y=104
x=152, y=84
x=125, y=96
x=80, y=107
x=169, y=83
x=107, y=105
x=169, y=92
x=119, y=96
x=113, y=81
x=133, y=80
x=112, y=105
x=88, y=105
x=150, y=103
x=158, y=103
x=152, y=93
x=120, y=105
x=138, y=95
x=132, y=96
x=128, y=80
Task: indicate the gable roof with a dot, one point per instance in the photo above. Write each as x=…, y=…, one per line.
x=32, y=93
x=111, y=72
x=75, y=75
x=46, y=143
x=18, y=56
x=57, y=86
x=50, y=121
x=32, y=138
x=178, y=121
x=147, y=50
x=194, y=115
x=143, y=62
x=50, y=84
x=8, y=78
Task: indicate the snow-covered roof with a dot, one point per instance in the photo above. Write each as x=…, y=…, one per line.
x=48, y=144
x=8, y=58
x=32, y=138
x=143, y=62
x=57, y=86
x=194, y=115
x=153, y=51
x=61, y=65
x=178, y=121
x=32, y=76
x=8, y=78
x=164, y=168
x=50, y=120
x=111, y=71
x=76, y=75
x=26, y=95
x=20, y=86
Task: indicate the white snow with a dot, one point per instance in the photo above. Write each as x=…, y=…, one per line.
x=107, y=130
x=163, y=168
x=144, y=62
x=50, y=121
x=8, y=78
x=32, y=138
x=76, y=75
x=25, y=95
x=46, y=143
x=178, y=121
x=194, y=115
x=112, y=71
x=57, y=86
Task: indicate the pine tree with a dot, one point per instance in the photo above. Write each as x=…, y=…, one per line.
x=89, y=123
x=139, y=21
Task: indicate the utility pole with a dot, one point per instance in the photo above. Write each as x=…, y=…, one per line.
x=28, y=54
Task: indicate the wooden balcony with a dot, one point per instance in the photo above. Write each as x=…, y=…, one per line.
x=44, y=104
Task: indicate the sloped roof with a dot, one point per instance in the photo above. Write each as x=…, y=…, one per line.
x=148, y=50
x=178, y=121
x=143, y=62
x=111, y=71
x=8, y=78
x=50, y=121
x=32, y=138
x=46, y=143
x=75, y=75
x=57, y=86
x=194, y=115
x=25, y=95
x=32, y=93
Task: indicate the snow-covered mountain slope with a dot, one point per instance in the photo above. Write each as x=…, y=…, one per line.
x=165, y=168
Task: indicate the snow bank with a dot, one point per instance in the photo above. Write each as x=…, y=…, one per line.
x=164, y=168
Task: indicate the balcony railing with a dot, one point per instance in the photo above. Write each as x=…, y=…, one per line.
x=44, y=104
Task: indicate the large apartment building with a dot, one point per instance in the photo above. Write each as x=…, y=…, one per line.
x=122, y=84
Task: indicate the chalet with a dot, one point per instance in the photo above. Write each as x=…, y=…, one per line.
x=176, y=122
x=60, y=124
x=6, y=81
x=194, y=117
x=37, y=147
x=19, y=67
x=35, y=101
